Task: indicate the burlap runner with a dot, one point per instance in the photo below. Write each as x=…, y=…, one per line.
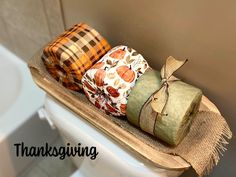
x=201, y=147
x=204, y=143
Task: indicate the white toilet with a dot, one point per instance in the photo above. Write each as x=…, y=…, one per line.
x=112, y=160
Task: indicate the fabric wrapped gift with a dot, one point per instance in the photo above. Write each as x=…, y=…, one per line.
x=180, y=104
x=71, y=54
x=108, y=83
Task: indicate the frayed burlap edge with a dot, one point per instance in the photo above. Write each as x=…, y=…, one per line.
x=205, y=142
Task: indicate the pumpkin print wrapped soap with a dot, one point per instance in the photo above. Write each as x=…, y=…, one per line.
x=108, y=83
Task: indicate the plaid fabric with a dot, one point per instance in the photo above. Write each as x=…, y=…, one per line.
x=71, y=54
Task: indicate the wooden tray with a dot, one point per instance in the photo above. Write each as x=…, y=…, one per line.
x=78, y=104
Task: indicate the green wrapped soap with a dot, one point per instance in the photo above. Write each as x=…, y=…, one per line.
x=180, y=108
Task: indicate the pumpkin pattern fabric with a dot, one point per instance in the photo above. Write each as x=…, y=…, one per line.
x=107, y=84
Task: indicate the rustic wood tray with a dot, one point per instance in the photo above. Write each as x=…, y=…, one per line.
x=118, y=129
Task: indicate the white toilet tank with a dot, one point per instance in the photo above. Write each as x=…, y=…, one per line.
x=112, y=159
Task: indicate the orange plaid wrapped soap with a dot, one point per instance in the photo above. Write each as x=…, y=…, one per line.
x=71, y=54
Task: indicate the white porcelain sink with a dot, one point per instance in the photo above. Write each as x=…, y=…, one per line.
x=20, y=99
x=19, y=96
x=10, y=83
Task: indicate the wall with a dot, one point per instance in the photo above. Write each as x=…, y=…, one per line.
x=27, y=25
x=202, y=31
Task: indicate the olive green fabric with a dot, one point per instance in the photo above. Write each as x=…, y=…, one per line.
x=140, y=94
x=182, y=105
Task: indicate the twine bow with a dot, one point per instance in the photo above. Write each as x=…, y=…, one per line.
x=160, y=98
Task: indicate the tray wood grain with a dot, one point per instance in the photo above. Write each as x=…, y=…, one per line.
x=120, y=135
